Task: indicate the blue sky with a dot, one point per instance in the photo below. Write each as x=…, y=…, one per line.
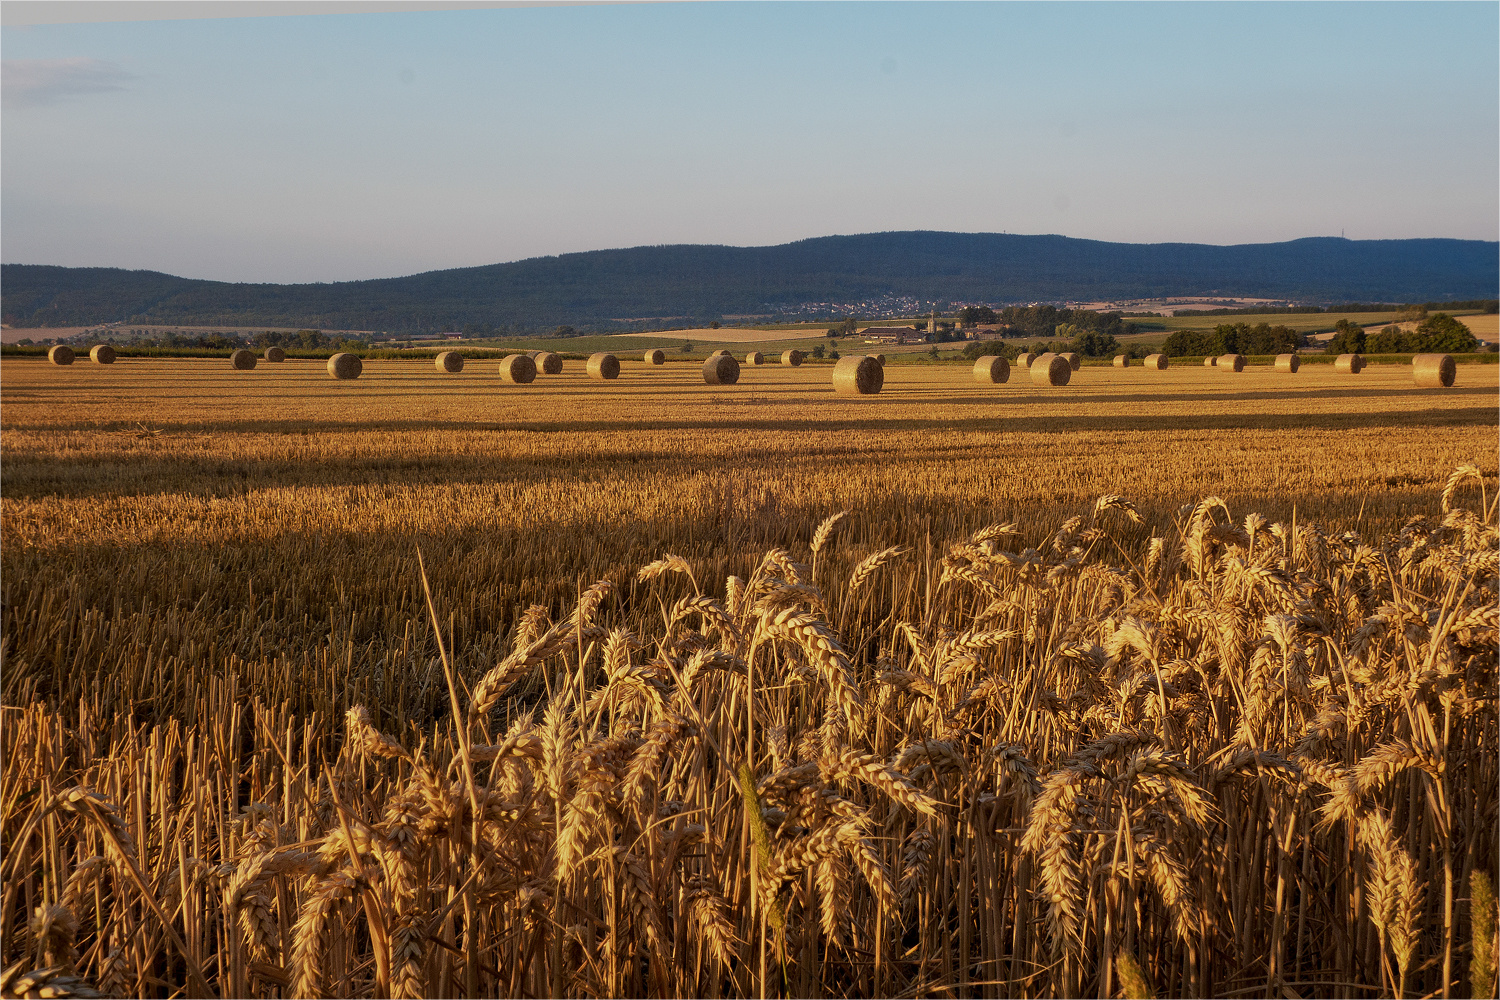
x=322, y=147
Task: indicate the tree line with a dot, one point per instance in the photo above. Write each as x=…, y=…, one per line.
x=1437, y=333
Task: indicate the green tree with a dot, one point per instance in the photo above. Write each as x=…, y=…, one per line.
x=817, y=350
x=1348, y=338
x=849, y=327
x=1093, y=344
x=977, y=349
x=1439, y=332
x=1193, y=344
x=713, y=325
x=974, y=315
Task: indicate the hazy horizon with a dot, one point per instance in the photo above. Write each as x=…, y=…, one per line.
x=354, y=145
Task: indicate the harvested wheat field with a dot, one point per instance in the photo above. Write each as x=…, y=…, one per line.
x=428, y=684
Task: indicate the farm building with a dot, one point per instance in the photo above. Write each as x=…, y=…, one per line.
x=892, y=335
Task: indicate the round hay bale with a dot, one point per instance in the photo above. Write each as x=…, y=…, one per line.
x=518, y=368
x=449, y=361
x=1288, y=362
x=721, y=352
x=1072, y=359
x=1349, y=364
x=858, y=376
x=1211, y=362
x=62, y=354
x=721, y=369
x=1433, y=371
x=755, y=358
x=604, y=366
x=345, y=365
x=992, y=369
x=102, y=354
x=1051, y=369
x=533, y=355
x=1025, y=360
x=879, y=358
x=656, y=357
x=1232, y=362
x=1122, y=361
x=793, y=358
x=548, y=363
x=1156, y=362
x=242, y=360
x=274, y=354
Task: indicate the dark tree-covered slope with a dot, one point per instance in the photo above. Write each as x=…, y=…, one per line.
x=606, y=286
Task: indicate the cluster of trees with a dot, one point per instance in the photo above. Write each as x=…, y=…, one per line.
x=1089, y=343
x=1043, y=321
x=304, y=340
x=307, y=340
x=1232, y=338
x=1438, y=332
x=974, y=315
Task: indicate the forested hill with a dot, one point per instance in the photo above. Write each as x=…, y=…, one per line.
x=605, y=287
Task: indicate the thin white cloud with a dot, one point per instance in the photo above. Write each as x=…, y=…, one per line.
x=27, y=83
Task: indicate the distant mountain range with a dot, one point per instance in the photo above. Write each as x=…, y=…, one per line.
x=611, y=289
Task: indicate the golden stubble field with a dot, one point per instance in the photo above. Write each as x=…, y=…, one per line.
x=1035, y=718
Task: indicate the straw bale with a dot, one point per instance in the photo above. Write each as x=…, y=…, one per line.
x=793, y=358
x=449, y=361
x=655, y=357
x=548, y=363
x=1232, y=362
x=1072, y=358
x=1211, y=362
x=102, y=354
x=62, y=354
x=274, y=354
x=242, y=360
x=604, y=366
x=1157, y=362
x=721, y=352
x=345, y=365
x=1288, y=362
x=755, y=358
x=1051, y=369
x=878, y=357
x=518, y=368
x=1025, y=360
x=1349, y=364
x=1122, y=361
x=721, y=369
x=1433, y=371
x=861, y=376
x=992, y=369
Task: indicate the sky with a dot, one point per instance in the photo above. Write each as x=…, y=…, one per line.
x=371, y=142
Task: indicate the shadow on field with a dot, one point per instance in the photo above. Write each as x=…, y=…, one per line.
x=867, y=419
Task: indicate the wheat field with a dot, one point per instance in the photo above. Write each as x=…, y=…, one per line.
x=1162, y=683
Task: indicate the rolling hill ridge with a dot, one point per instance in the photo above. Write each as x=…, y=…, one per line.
x=607, y=289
